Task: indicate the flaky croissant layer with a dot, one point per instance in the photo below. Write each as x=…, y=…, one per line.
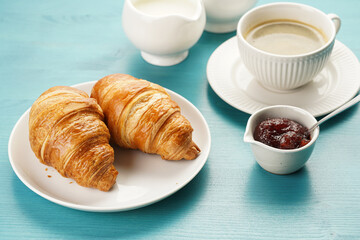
x=141, y=115
x=67, y=132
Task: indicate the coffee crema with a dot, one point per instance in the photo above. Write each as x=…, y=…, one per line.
x=286, y=37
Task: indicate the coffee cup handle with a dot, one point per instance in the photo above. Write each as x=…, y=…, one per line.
x=336, y=20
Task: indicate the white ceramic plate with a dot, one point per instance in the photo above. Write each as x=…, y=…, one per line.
x=336, y=84
x=143, y=179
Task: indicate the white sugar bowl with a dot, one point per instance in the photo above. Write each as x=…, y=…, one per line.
x=163, y=30
x=222, y=16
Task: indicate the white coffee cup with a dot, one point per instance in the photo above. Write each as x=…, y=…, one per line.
x=286, y=72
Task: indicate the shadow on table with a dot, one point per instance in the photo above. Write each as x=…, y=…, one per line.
x=223, y=109
x=185, y=74
x=344, y=116
x=266, y=189
x=58, y=221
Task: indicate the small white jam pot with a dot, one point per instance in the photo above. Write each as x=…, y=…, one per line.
x=163, y=30
x=281, y=161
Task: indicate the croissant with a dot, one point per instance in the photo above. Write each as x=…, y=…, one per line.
x=67, y=132
x=141, y=115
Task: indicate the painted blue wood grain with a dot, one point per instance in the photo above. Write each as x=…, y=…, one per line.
x=48, y=43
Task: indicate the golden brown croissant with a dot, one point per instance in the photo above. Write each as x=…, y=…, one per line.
x=67, y=132
x=141, y=115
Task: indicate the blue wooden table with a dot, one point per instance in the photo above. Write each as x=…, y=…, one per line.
x=48, y=43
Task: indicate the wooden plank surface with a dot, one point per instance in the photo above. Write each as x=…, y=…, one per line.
x=48, y=43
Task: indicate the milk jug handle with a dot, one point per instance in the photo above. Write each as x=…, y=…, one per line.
x=336, y=20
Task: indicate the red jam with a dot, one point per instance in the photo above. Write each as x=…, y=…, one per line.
x=282, y=133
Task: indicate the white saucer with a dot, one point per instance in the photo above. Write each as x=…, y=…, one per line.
x=335, y=85
x=143, y=178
